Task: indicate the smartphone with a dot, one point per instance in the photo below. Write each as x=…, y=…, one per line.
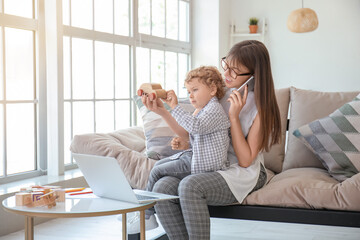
x=249, y=83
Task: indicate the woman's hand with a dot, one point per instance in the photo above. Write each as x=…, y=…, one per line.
x=157, y=106
x=178, y=143
x=171, y=99
x=237, y=102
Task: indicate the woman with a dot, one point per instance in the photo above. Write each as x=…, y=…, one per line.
x=255, y=126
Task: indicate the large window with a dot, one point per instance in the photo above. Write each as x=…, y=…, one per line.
x=19, y=90
x=164, y=18
x=109, y=48
x=108, y=53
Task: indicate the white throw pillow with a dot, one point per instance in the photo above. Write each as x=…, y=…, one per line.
x=157, y=133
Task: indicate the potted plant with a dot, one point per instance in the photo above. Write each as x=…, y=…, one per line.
x=253, y=24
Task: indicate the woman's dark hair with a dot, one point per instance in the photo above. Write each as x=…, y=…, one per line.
x=253, y=55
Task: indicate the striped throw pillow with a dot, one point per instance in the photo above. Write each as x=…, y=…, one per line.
x=157, y=133
x=335, y=140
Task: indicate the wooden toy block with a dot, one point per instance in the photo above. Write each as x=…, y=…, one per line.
x=40, y=196
x=154, y=90
x=22, y=199
x=48, y=199
x=60, y=194
x=35, y=196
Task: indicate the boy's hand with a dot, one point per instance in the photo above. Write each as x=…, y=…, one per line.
x=178, y=143
x=156, y=105
x=171, y=99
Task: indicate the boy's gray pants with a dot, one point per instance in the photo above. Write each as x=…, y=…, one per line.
x=178, y=167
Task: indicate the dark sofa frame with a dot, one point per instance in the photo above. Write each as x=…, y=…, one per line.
x=289, y=215
x=280, y=214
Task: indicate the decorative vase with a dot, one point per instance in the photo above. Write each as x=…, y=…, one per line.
x=253, y=28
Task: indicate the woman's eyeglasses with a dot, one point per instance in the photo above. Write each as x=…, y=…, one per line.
x=232, y=72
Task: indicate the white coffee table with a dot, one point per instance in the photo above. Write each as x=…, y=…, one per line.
x=82, y=207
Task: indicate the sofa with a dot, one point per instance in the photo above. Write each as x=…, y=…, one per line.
x=303, y=186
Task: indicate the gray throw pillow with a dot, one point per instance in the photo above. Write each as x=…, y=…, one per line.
x=157, y=133
x=335, y=140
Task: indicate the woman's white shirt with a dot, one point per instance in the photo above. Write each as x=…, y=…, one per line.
x=239, y=179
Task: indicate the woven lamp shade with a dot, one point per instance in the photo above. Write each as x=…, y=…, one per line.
x=302, y=20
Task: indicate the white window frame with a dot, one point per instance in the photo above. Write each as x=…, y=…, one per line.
x=135, y=39
x=36, y=25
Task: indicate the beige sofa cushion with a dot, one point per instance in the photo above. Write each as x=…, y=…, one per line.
x=308, y=188
x=307, y=106
x=126, y=145
x=335, y=140
x=275, y=157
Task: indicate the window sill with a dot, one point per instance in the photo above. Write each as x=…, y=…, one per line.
x=40, y=180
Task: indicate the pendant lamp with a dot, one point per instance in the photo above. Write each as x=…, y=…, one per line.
x=302, y=20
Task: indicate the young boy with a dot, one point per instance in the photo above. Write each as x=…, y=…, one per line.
x=207, y=129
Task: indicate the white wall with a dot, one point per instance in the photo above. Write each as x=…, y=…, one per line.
x=224, y=27
x=327, y=59
x=208, y=32
x=205, y=32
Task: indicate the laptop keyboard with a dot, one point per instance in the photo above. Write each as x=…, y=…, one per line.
x=142, y=197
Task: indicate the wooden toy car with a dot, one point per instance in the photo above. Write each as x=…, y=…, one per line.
x=153, y=90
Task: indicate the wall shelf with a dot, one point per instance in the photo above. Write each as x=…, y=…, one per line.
x=235, y=36
x=246, y=34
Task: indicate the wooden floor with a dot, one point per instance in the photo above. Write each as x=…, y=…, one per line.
x=109, y=228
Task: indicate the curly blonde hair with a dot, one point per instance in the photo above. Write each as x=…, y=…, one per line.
x=209, y=76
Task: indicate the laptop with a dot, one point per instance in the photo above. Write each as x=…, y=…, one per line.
x=106, y=179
